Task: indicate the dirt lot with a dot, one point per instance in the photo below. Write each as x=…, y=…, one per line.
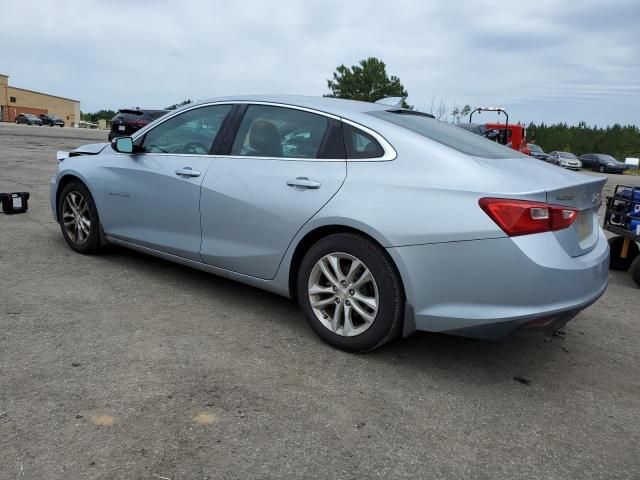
x=125, y=366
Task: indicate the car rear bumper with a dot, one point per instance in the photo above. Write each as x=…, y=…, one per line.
x=492, y=288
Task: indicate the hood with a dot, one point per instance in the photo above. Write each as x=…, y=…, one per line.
x=90, y=149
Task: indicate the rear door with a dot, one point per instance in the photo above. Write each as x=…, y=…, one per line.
x=282, y=165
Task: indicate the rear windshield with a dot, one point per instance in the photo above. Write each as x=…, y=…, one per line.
x=127, y=117
x=447, y=134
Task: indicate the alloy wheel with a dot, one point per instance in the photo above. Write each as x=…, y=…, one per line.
x=76, y=217
x=343, y=294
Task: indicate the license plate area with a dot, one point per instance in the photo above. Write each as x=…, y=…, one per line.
x=121, y=128
x=586, y=228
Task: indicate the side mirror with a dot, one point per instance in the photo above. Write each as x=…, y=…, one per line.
x=122, y=144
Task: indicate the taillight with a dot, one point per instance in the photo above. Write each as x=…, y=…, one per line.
x=522, y=217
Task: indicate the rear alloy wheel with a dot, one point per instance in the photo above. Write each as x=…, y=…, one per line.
x=350, y=292
x=79, y=218
x=602, y=169
x=616, y=246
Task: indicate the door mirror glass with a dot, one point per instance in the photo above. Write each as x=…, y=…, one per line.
x=123, y=144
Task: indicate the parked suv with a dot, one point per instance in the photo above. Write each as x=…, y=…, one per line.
x=28, y=119
x=602, y=163
x=127, y=121
x=51, y=120
x=537, y=152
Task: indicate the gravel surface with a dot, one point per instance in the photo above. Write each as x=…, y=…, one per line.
x=124, y=366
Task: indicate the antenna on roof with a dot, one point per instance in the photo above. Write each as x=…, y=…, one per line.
x=391, y=101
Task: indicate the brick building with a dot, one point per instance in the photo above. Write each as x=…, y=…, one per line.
x=14, y=100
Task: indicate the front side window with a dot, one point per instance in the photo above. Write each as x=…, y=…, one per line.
x=191, y=132
x=267, y=131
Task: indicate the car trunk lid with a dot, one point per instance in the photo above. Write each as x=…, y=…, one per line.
x=561, y=187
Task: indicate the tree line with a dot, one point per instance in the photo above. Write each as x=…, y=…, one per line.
x=617, y=140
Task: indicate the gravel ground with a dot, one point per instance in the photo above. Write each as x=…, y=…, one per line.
x=124, y=366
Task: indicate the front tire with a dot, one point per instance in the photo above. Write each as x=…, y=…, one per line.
x=602, y=169
x=78, y=218
x=350, y=292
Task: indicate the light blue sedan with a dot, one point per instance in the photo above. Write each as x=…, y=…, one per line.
x=379, y=221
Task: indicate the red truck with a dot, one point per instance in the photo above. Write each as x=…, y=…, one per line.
x=511, y=134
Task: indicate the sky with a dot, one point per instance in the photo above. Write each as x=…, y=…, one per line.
x=552, y=61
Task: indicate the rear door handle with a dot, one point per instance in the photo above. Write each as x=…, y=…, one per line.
x=187, y=172
x=303, y=182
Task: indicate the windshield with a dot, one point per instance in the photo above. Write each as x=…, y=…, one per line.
x=535, y=148
x=567, y=155
x=446, y=134
x=607, y=158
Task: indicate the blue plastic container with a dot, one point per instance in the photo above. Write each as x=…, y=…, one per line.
x=635, y=226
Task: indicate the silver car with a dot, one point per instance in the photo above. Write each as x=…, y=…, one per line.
x=566, y=160
x=378, y=221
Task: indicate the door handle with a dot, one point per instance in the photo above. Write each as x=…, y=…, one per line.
x=187, y=172
x=303, y=182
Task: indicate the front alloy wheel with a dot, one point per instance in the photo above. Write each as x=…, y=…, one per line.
x=78, y=218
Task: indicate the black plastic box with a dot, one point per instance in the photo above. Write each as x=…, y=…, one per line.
x=16, y=202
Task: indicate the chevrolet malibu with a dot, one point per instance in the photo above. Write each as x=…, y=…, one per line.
x=378, y=221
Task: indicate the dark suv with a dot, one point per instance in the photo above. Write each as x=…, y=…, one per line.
x=51, y=120
x=127, y=121
x=602, y=163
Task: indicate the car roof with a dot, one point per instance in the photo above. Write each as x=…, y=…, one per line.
x=335, y=106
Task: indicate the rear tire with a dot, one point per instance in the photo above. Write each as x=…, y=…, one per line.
x=356, y=292
x=78, y=218
x=616, y=262
x=602, y=169
x=634, y=270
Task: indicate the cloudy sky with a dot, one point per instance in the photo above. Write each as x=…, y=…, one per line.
x=547, y=60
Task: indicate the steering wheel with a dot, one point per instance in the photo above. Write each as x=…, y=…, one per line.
x=151, y=147
x=194, y=147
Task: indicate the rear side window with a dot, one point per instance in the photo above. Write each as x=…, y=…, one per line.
x=267, y=131
x=360, y=144
x=448, y=135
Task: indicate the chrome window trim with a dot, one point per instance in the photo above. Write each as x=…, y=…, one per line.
x=389, y=152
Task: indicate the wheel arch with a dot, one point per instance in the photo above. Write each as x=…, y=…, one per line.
x=65, y=180
x=320, y=232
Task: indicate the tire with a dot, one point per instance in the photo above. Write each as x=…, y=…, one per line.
x=616, y=262
x=383, y=287
x=85, y=239
x=634, y=270
x=602, y=169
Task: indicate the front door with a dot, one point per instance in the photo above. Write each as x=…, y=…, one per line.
x=152, y=197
